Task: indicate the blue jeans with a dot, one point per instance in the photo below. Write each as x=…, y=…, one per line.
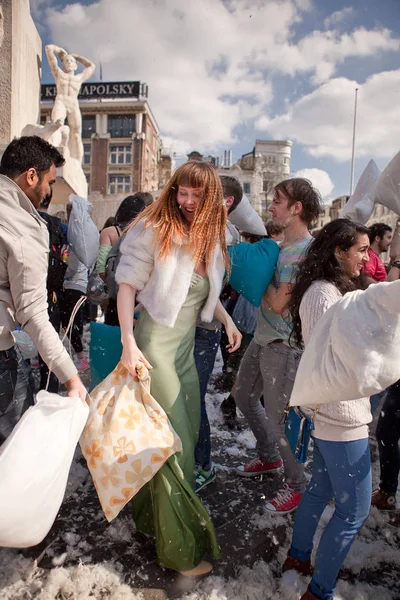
x=16, y=390
x=206, y=346
x=341, y=470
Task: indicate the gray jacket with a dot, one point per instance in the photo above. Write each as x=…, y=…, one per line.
x=24, y=248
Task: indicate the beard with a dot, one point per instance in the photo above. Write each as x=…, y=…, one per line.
x=36, y=195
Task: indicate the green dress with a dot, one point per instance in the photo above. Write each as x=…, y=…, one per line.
x=168, y=506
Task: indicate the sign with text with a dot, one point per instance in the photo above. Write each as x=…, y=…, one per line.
x=94, y=91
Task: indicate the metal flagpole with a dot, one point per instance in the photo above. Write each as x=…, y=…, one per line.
x=354, y=144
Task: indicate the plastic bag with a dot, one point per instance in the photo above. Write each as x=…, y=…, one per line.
x=34, y=465
x=25, y=344
x=83, y=235
x=127, y=439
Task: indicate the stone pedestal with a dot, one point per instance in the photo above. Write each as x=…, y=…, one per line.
x=70, y=180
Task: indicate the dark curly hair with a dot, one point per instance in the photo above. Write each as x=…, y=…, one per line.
x=320, y=263
x=29, y=152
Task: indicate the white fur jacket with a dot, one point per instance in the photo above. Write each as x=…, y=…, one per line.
x=163, y=284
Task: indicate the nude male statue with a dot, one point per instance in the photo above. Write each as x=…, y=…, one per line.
x=68, y=84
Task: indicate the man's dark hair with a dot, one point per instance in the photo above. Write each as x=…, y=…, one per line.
x=232, y=187
x=45, y=203
x=146, y=196
x=378, y=230
x=301, y=190
x=29, y=152
x=273, y=228
x=129, y=209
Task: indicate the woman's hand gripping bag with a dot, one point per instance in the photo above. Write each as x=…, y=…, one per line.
x=34, y=464
x=127, y=438
x=252, y=268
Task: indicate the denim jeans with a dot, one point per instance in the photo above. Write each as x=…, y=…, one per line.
x=388, y=436
x=205, y=351
x=341, y=470
x=270, y=370
x=16, y=390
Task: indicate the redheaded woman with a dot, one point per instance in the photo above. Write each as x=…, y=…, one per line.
x=174, y=259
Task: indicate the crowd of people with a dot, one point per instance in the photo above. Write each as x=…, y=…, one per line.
x=175, y=309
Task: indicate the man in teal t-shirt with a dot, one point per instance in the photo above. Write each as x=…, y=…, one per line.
x=270, y=363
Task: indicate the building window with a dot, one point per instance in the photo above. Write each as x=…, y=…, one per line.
x=286, y=160
x=87, y=152
x=88, y=125
x=246, y=188
x=119, y=184
x=121, y=126
x=120, y=154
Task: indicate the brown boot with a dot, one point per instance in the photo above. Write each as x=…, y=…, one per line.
x=303, y=567
x=383, y=500
x=308, y=595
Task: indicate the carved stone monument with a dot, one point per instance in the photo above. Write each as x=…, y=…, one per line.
x=66, y=105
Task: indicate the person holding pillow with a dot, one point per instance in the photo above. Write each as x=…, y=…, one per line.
x=341, y=463
x=174, y=259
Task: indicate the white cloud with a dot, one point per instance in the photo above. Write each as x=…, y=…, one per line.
x=319, y=178
x=209, y=65
x=338, y=17
x=323, y=120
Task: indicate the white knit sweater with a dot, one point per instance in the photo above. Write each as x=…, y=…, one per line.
x=163, y=284
x=341, y=421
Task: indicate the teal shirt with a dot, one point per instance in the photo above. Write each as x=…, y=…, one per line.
x=270, y=325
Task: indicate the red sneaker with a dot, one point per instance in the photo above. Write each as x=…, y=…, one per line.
x=286, y=500
x=258, y=467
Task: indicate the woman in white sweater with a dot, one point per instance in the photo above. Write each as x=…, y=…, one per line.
x=174, y=258
x=341, y=462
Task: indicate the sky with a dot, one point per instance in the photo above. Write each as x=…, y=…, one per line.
x=223, y=73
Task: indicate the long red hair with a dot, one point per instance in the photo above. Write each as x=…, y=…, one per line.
x=209, y=224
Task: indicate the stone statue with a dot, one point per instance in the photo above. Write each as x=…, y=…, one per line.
x=66, y=105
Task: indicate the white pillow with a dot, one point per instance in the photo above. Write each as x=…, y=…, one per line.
x=387, y=190
x=245, y=218
x=83, y=235
x=354, y=350
x=34, y=466
x=361, y=203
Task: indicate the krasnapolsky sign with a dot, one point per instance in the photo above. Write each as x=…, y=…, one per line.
x=92, y=91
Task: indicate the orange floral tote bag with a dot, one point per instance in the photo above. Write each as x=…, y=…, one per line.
x=127, y=438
